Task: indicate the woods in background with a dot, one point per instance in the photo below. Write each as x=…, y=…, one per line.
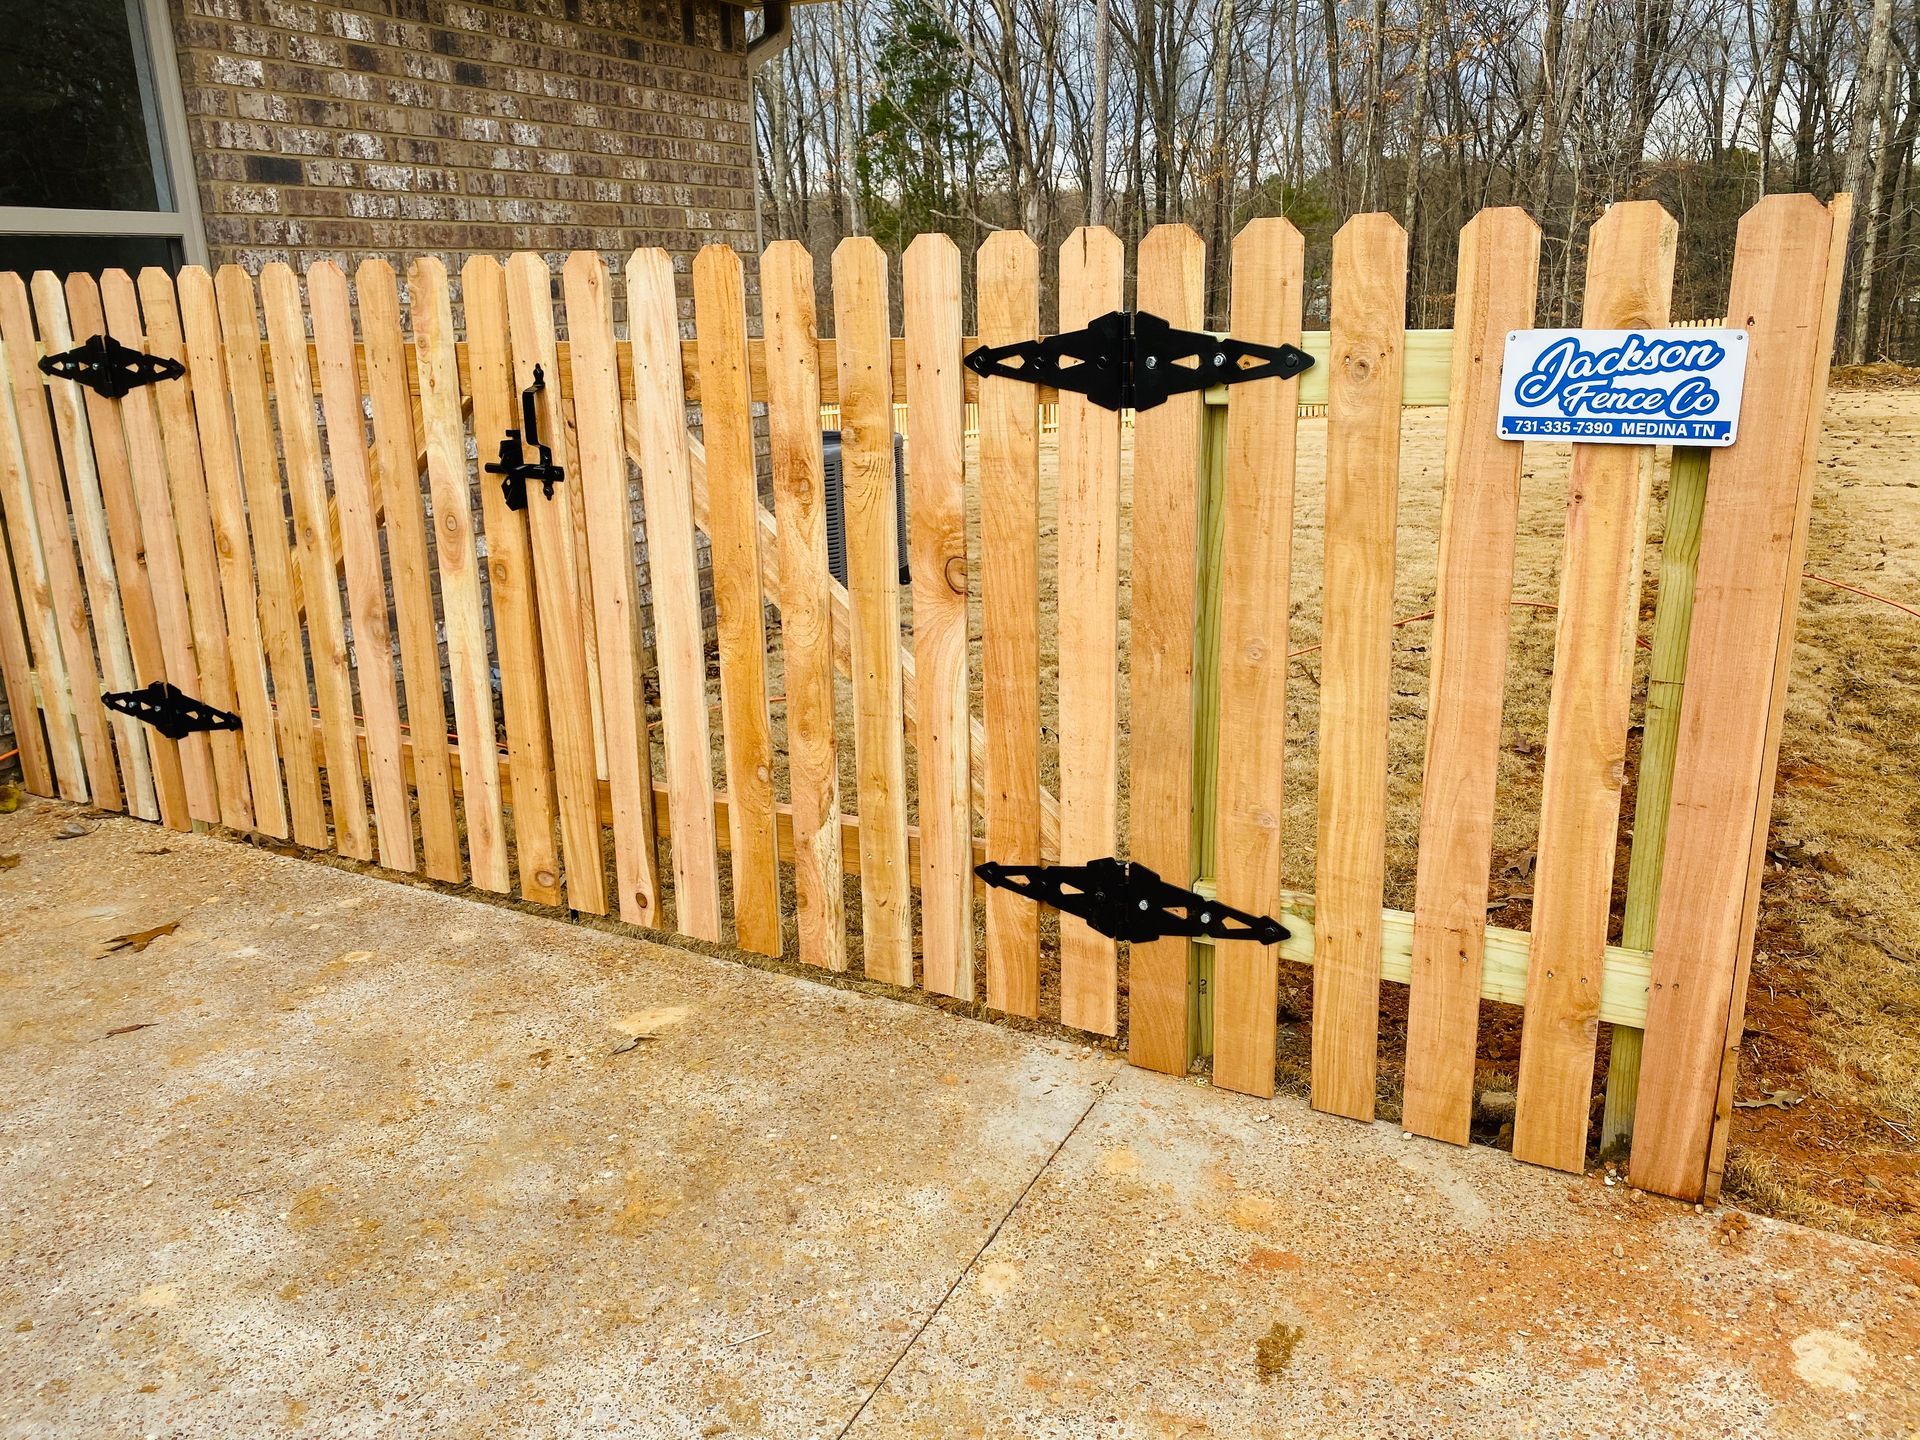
x=894, y=117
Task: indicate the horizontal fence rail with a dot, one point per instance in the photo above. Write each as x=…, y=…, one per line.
x=520, y=686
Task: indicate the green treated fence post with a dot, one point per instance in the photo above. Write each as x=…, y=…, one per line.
x=1206, y=710
x=1672, y=626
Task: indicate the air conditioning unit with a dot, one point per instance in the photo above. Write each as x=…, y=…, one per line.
x=836, y=506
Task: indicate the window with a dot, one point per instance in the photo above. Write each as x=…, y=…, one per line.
x=94, y=168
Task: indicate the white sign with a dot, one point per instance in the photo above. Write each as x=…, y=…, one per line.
x=1623, y=387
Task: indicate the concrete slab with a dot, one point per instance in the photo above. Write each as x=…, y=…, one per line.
x=382, y=1164
x=381, y=1161
x=1195, y=1263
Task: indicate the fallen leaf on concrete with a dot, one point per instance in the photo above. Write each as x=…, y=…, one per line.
x=7, y=862
x=72, y=830
x=140, y=939
x=129, y=1029
x=650, y=1023
x=1773, y=1099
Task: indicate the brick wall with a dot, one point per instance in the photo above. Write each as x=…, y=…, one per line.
x=405, y=127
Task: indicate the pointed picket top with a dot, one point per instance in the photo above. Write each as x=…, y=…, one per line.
x=932, y=241
x=859, y=250
x=1171, y=247
x=1371, y=228
x=1091, y=250
x=1644, y=237
x=1268, y=230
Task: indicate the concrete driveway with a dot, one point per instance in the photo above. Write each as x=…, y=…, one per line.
x=343, y=1157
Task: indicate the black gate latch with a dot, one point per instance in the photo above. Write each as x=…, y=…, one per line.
x=109, y=368
x=513, y=464
x=1131, y=360
x=1127, y=901
x=170, y=710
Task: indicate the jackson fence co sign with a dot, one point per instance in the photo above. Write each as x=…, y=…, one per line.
x=1623, y=387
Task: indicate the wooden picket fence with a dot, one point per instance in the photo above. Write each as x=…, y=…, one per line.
x=269, y=532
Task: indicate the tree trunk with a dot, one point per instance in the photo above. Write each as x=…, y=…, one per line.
x=1222, y=181
x=1373, y=152
x=1102, y=64
x=1336, y=112
x=1866, y=165
x=1779, y=40
x=1416, y=142
x=849, y=142
x=1860, y=172
x=1549, y=101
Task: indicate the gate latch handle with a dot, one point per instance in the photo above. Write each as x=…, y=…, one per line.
x=513, y=466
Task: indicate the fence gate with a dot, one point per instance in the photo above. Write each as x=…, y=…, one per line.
x=295, y=556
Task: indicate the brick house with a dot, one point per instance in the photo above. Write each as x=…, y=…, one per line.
x=139, y=132
x=171, y=132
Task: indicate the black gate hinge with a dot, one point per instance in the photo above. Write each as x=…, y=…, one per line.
x=108, y=368
x=1124, y=900
x=1131, y=360
x=513, y=466
x=170, y=710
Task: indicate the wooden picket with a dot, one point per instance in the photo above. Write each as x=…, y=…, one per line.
x=1629, y=282
x=1008, y=282
x=1092, y=281
x=494, y=402
x=326, y=632
x=265, y=520
x=395, y=465
x=938, y=517
x=1499, y=266
x=1785, y=293
x=456, y=556
x=193, y=524
x=310, y=482
x=873, y=584
x=720, y=305
x=1367, y=346
x=1256, y=562
x=806, y=605
x=602, y=478
x=339, y=388
x=1165, y=558
x=565, y=627
x=36, y=526
x=666, y=483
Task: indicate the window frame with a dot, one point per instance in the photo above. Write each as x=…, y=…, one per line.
x=153, y=51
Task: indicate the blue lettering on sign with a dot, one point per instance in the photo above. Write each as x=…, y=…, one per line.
x=1601, y=382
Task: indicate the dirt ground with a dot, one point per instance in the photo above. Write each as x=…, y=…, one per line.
x=1830, y=1083
x=288, y=1150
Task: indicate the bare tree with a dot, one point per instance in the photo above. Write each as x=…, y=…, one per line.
x=1057, y=112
